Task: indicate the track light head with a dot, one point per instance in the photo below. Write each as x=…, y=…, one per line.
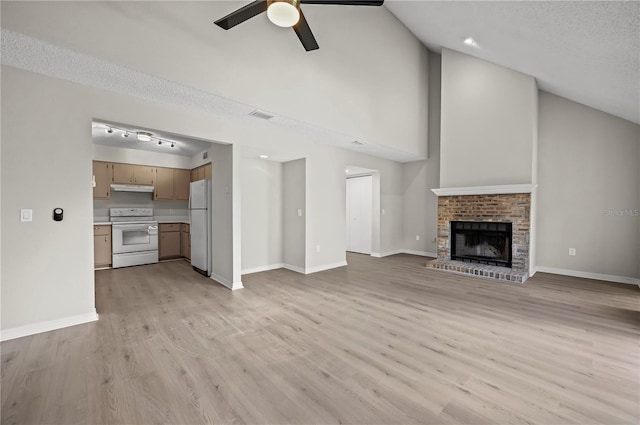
x=109, y=130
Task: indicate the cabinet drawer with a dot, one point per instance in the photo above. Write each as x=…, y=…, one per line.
x=102, y=230
x=169, y=227
x=186, y=228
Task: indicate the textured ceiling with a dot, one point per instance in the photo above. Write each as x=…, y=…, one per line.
x=586, y=51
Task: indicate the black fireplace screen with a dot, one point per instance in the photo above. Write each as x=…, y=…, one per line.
x=481, y=242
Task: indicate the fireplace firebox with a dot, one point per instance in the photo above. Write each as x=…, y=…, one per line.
x=481, y=242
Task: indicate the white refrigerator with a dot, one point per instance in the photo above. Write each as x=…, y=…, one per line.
x=200, y=213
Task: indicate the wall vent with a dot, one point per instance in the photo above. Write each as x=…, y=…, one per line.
x=261, y=114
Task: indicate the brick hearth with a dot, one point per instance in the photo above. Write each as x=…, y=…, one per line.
x=510, y=208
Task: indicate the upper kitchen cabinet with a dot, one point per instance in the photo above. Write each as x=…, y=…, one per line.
x=181, y=182
x=171, y=184
x=202, y=172
x=133, y=174
x=102, y=177
x=163, y=184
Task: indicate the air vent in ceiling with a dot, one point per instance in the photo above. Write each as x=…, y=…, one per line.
x=260, y=114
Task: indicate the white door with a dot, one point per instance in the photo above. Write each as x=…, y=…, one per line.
x=360, y=214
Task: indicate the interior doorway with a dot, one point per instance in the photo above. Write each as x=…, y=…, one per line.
x=360, y=214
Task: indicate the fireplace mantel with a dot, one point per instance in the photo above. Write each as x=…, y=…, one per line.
x=485, y=190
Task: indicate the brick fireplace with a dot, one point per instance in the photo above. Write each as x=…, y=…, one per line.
x=512, y=210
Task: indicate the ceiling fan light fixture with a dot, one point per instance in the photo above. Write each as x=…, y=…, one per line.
x=283, y=13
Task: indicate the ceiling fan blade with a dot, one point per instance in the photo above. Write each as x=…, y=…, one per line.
x=346, y=2
x=305, y=35
x=242, y=14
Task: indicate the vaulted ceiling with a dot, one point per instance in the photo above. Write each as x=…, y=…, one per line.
x=587, y=51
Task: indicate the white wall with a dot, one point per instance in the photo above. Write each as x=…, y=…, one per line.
x=589, y=176
x=262, y=217
x=368, y=79
x=488, y=123
x=294, y=199
x=47, y=266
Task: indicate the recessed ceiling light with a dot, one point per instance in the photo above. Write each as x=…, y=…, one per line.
x=346, y=171
x=264, y=156
x=470, y=42
x=144, y=136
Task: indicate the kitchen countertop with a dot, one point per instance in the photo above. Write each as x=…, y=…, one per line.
x=104, y=221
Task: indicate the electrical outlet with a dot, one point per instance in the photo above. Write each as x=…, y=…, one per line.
x=417, y=237
x=317, y=248
x=572, y=251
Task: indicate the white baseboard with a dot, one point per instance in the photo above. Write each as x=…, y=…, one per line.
x=47, y=326
x=420, y=253
x=262, y=268
x=387, y=253
x=233, y=286
x=587, y=275
x=325, y=267
x=294, y=268
x=404, y=251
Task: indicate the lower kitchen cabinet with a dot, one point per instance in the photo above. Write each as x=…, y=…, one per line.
x=101, y=246
x=169, y=241
x=186, y=241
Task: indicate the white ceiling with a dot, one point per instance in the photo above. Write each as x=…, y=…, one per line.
x=184, y=146
x=586, y=51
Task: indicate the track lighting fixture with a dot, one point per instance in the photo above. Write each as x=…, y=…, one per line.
x=143, y=136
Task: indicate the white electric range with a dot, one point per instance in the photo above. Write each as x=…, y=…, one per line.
x=134, y=236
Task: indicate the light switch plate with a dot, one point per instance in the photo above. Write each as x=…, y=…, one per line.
x=26, y=215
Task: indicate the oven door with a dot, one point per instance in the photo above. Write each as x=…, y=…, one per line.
x=134, y=238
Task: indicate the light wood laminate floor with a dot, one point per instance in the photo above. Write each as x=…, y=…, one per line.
x=382, y=341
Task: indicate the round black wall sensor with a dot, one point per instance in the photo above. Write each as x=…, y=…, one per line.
x=57, y=214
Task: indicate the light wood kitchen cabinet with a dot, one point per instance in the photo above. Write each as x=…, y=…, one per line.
x=181, y=182
x=202, y=172
x=101, y=246
x=163, y=184
x=171, y=184
x=169, y=241
x=132, y=174
x=186, y=240
x=102, y=176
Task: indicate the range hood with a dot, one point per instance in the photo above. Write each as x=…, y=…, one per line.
x=131, y=188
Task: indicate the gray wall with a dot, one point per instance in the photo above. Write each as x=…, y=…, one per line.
x=420, y=204
x=294, y=189
x=589, y=176
x=488, y=123
x=262, y=218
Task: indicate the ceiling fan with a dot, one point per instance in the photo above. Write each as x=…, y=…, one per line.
x=287, y=13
